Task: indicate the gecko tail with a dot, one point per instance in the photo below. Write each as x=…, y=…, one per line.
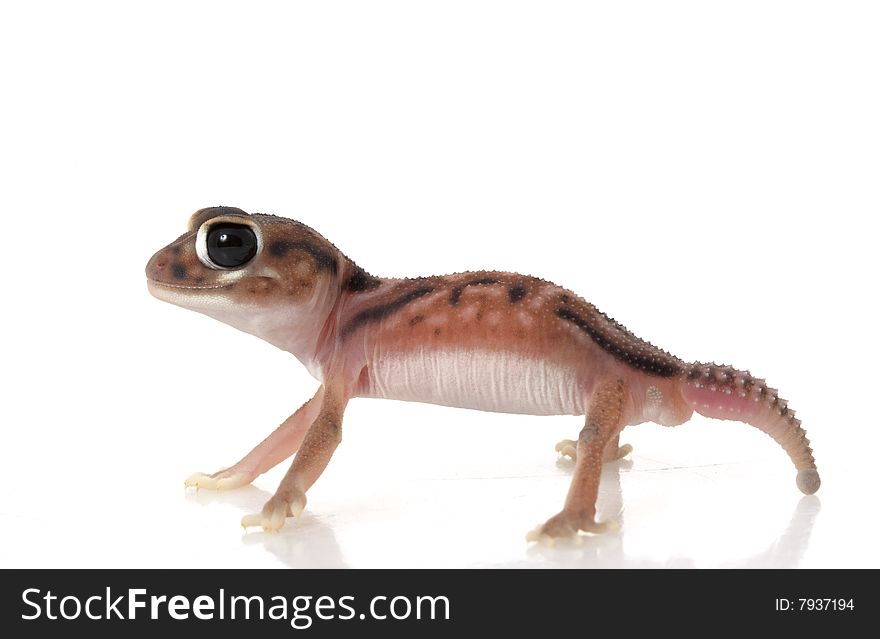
x=723, y=392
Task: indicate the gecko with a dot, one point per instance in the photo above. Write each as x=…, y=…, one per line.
x=487, y=340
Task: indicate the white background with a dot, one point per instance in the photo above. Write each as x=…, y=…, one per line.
x=706, y=173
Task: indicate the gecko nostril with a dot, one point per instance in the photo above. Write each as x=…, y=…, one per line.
x=161, y=263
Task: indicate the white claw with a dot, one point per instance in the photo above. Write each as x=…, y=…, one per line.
x=195, y=480
x=274, y=520
x=201, y=480
x=270, y=524
x=604, y=527
x=539, y=537
x=576, y=539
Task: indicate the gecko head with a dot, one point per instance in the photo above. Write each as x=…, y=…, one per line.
x=242, y=268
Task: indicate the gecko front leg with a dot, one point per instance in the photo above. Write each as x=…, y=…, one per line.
x=604, y=422
x=278, y=446
x=311, y=459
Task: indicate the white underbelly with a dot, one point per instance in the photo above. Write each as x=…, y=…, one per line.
x=491, y=381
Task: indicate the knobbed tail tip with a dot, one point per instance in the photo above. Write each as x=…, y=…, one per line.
x=808, y=480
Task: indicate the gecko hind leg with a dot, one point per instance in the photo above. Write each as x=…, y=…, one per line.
x=603, y=423
x=281, y=444
x=613, y=450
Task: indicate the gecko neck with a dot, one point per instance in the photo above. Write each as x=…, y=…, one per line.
x=358, y=290
x=301, y=330
x=311, y=334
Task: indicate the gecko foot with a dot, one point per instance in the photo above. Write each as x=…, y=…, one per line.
x=621, y=452
x=568, y=448
x=276, y=511
x=566, y=525
x=221, y=480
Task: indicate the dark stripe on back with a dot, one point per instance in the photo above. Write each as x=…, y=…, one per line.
x=455, y=296
x=516, y=293
x=640, y=354
x=360, y=281
x=323, y=259
x=380, y=312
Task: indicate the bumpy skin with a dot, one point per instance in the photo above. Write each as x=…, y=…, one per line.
x=484, y=340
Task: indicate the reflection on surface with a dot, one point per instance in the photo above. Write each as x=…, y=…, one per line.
x=308, y=542
x=789, y=548
x=311, y=540
x=248, y=498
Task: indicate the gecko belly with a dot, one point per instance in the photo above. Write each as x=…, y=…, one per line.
x=495, y=381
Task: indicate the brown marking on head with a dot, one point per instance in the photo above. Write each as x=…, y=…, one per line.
x=178, y=267
x=324, y=258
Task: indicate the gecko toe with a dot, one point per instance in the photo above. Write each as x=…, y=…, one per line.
x=565, y=527
x=617, y=454
x=222, y=480
x=276, y=511
x=538, y=536
x=270, y=522
x=624, y=450
x=567, y=448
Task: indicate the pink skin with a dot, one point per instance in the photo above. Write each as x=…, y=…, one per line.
x=728, y=398
x=486, y=340
x=281, y=444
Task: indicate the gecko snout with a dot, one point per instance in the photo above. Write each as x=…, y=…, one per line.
x=157, y=266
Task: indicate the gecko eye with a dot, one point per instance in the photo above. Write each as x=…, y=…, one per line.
x=230, y=245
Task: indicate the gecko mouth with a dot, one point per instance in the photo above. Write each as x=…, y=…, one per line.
x=186, y=287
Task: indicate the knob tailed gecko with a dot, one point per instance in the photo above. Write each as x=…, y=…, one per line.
x=487, y=340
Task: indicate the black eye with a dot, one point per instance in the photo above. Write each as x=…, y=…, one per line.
x=231, y=245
